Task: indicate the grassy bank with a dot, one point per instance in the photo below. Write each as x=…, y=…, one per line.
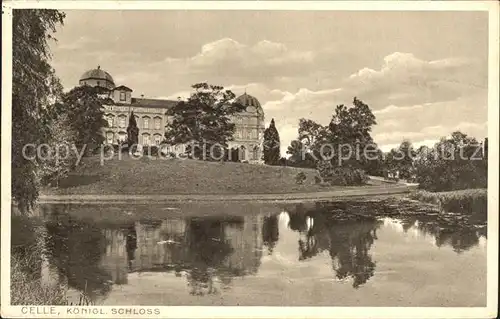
x=467, y=201
x=27, y=286
x=160, y=176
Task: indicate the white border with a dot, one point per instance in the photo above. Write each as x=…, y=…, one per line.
x=265, y=312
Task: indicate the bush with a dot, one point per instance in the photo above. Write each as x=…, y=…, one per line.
x=469, y=201
x=300, y=178
x=150, y=150
x=317, y=180
x=341, y=176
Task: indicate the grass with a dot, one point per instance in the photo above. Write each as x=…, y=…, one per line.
x=26, y=283
x=469, y=201
x=177, y=176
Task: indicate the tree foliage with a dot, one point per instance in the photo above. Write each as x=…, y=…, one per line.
x=203, y=121
x=132, y=130
x=351, y=126
x=271, y=145
x=401, y=160
x=458, y=162
x=83, y=106
x=34, y=87
x=343, y=141
x=60, y=157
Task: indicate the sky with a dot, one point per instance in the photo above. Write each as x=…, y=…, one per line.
x=424, y=74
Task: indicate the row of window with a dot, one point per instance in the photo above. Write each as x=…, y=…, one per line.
x=245, y=133
x=246, y=120
x=112, y=138
x=121, y=121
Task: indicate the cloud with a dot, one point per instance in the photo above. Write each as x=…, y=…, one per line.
x=79, y=43
x=411, y=98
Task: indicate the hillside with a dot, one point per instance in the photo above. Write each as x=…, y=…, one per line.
x=159, y=176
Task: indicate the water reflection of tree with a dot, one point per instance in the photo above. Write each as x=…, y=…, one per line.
x=208, y=249
x=75, y=248
x=350, y=243
x=270, y=232
x=460, y=235
x=347, y=237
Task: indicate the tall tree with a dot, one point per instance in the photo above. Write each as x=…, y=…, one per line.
x=351, y=127
x=310, y=132
x=34, y=87
x=402, y=159
x=84, y=107
x=203, y=121
x=271, y=145
x=59, y=158
x=132, y=131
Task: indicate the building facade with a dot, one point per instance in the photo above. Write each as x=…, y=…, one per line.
x=152, y=119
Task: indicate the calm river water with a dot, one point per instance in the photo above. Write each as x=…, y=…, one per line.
x=335, y=254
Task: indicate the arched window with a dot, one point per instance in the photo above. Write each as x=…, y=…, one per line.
x=111, y=119
x=122, y=136
x=122, y=119
x=146, y=139
x=110, y=136
x=255, y=153
x=145, y=122
x=157, y=138
x=242, y=153
x=157, y=123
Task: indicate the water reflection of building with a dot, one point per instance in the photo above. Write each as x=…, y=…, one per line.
x=160, y=245
x=114, y=260
x=246, y=243
x=203, y=247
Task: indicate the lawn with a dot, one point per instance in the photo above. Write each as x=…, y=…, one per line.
x=178, y=176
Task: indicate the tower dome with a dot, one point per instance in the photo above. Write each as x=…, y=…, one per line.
x=251, y=103
x=97, y=77
x=248, y=100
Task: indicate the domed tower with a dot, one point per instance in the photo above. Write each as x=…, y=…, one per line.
x=98, y=77
x=251, y=102
x=249, y=129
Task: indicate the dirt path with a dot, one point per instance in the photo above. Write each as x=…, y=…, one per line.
x=291, y=197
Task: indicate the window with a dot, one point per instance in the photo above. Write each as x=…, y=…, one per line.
x=122, y=136
x=255, y=153
x=249, y=134
x=157, y=123
x=157, y=139
x=123, y=96
x=145, y=139
x=98, y=83
x=110, y=119
x=110, y=137
x=122, y=121
x=146, y=123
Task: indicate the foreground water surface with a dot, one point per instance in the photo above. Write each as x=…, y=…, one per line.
x=335, y=254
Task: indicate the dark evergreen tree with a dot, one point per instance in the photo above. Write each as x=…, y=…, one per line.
x=271, y=145
x=34, y=85
x=132, y=131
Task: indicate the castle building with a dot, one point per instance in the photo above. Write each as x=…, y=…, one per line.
x=152, y=119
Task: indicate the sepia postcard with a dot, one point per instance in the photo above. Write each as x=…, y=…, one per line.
x=250, y=159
